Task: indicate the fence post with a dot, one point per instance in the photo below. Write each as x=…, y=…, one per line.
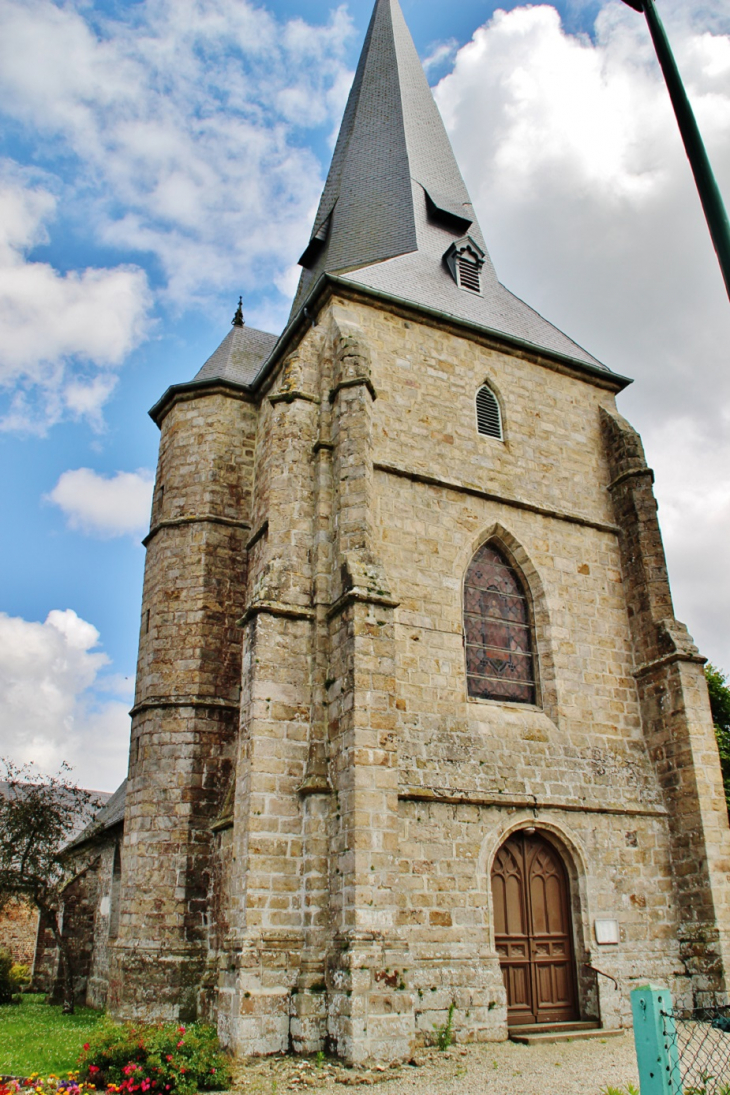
x=655, y=1040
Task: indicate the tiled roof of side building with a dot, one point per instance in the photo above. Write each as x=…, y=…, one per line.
x=111, y=814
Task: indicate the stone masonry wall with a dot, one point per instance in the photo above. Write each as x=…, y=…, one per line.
x=186, y=705
x=373, y=490
x=677, y=721
x=312, y=552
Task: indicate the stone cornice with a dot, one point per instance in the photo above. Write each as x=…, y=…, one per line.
x=203, y=519
x=669, y=659
x=360, y=596
x=491, y=496
x=276, y=608
x=355, y=382
x=632, y=473
x=292, y=397
x=183, y=701
x=194, y=389
x=261, y=531
x=532, y=802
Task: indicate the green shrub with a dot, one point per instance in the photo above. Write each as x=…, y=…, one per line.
x=129, y=1058
x=21, y=975
x=11, y=980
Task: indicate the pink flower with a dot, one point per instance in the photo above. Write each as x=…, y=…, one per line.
x=179, y=1043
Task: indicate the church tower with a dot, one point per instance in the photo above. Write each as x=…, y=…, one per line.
x=416, y=734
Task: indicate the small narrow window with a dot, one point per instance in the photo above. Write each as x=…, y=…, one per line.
x=489, y=416
x=116, y=894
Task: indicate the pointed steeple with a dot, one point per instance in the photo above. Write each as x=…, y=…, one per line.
x=395, y=215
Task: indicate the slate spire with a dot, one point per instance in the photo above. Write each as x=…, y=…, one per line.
x=395, y=208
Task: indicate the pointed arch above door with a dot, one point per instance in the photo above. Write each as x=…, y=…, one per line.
x=533, y=931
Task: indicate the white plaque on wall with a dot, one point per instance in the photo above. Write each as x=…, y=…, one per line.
x=607, y=933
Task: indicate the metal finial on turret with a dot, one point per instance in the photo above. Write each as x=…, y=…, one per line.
x=238, y=320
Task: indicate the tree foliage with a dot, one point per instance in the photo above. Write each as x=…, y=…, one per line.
x=39, y=814
x=717, y=686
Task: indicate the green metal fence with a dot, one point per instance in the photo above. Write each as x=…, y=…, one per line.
x=680, y=1051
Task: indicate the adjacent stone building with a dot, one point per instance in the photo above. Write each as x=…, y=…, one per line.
x=415, y=724
x=89, y=909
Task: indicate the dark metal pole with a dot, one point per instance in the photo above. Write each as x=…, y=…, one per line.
x=710, y=196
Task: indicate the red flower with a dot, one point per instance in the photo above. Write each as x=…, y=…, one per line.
x=181, y=1030
x=179, y=1043
x=169, y=1056
x=86, y=1046
x=93, y=1068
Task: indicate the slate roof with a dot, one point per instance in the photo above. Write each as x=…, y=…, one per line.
x=392, y=152
x=111, y=814
x=393, y=203
x=81, y=824
x=239, y=357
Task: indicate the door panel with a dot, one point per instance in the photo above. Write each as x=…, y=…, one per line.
x=533, y=931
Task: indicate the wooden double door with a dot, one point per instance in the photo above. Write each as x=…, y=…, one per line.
x=533, y=931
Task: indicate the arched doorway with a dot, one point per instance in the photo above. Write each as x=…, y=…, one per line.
x=533, y=931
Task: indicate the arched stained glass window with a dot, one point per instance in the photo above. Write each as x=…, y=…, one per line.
x=499, y=655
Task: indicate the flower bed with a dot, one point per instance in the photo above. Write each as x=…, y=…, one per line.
x=130, y=1059
x=47, y=1085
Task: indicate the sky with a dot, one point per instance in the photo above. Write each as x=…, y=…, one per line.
x=160, y=157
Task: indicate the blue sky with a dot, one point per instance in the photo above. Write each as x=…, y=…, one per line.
x=159, y=157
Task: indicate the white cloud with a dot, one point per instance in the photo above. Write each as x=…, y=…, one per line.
x=184, y=117
x=439, y=54
x=105, y=506
x=57, y=330
x=48, y=710
x=572, y=155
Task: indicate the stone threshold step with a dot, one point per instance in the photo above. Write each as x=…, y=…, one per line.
x=559, y=1026
x=550, y=1036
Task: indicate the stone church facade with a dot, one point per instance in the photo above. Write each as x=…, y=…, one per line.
x=415, y=725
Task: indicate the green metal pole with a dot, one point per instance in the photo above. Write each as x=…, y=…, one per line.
x=710, y=196
x=656, y=1041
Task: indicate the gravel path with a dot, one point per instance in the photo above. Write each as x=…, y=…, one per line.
x=568, y=1068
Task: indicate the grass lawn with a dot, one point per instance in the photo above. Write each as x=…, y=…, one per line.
x=37, y=1038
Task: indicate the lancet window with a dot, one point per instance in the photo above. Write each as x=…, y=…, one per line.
x=500, y=662
x=489, y=415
